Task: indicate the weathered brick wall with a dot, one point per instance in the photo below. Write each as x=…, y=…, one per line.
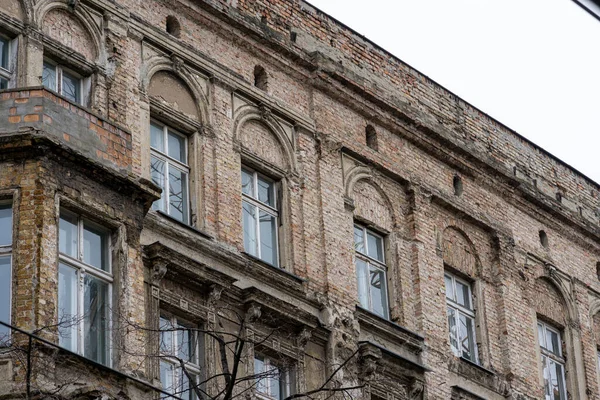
x=307, y=130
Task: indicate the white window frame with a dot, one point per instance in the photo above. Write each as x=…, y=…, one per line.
x=84, y=269
x=556, y=358
x=260, y=206
x=460, y=309
x=194, y=367
x=376, y=264
x=171, y=163
x=284, y=374
x=6, y=251
x=8, y=73
x=84, y=83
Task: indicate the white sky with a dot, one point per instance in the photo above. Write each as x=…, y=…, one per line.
x=534, y=65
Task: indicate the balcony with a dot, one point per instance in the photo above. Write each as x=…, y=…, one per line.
x=69, y=124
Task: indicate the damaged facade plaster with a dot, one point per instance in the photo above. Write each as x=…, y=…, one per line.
x=353, y=141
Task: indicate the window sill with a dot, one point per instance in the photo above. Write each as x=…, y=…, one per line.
x=478, y=366
x=390, y=330
x=257, y=260
x=184, y=225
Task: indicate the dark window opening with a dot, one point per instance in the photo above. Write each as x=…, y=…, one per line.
x=173, y=26
x=458, y=185
x=260, y=78
x=543, y=239
x=371, y=135
x=598, y=270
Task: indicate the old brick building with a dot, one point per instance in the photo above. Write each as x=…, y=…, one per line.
x=353, y=224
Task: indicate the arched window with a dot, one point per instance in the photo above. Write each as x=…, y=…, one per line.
x=260, y=78
x=371, y=137
x=173, y=26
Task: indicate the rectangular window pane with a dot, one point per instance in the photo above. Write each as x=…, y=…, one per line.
x=177, y=147
x=166, y=376
x=95, y=308
x=259, y=371
x=378, y=292
x=274, y=381
x=178, y=207
x=157, y=137
x=68, y=237
x=463, y=296
x=375, y=247
x=541, y=336
x=359, y=241
x=187, y=391
x=186, y=344
x=362, y=274
x=266, y=192
x=5, y=224
x=247, y=183
x=67, y=307
x=453, y=330
x=157, y=172
x=95, y=247
x=71, y=87
x=449, y=288
x=3, y=53
x=166, y=336
x=552, y=342
x=49, y=76
x=5, y=296
x=3, y=83
x=249, y=220
x=467, y=336
x=268, y=238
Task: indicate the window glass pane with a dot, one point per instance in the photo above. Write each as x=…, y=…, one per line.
x=375, y=245
x=558, y=381
x=166, y=376
x=466, y=335
x=359, y=241
x=67, y=241
x=541, y=336
x=187, y=391
x=157, y=137
x=71, y=87
x=462, y=295
x=259, y=371
x=5, y=224
x=5, y=296
x=268, y=238
x=178, y=207
x=247, y=183
x=177, y=147
x=362, y=274
x=552, y=342
x=378, y=292
x=274, y=374
x=95, y=308
x=449, y=288
x=452, y=330
x=185, y=343
x=3, y=83
x=3, y=53
x=166, y=336
x=249, y=220
x=157, y=171
x=95, y=247
x=49, y=76
x=266, y=192
x=67, y=307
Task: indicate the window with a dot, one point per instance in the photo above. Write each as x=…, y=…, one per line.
x=272, y=381
x=170, y=171
x=553, y=363
x=461, y=318
x=260, y=216
x=5, y=270
x=371, y=271
x=84, y=287
x=5, y=61
x=64, y=82
x=178, y=341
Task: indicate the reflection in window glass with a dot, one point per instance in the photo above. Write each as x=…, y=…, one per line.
x=5, y=299
x=71, y=87
x=5, y=224
x=370, y=271
x=461, y=318
x=260, y=217
x=49, y=76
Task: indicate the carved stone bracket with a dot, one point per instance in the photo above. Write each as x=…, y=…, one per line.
x=415, y=390
x=253, y=314
x=214, y=294
x=303, y=337
x=369, y=357
x=159, y=270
